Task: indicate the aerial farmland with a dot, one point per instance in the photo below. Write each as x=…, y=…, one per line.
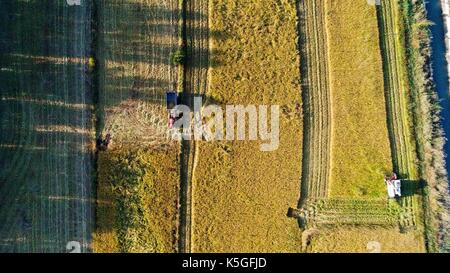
x=223, y=126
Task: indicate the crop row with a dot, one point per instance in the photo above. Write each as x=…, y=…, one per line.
x=350, y=212
x=44, y=127
x=316, y=99
x=397, y=97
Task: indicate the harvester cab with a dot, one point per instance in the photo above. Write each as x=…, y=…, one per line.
x=393, y=185
x=172, y=102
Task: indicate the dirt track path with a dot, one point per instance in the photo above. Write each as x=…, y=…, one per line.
x=196, y=83
x=45, y=179
x=316, y=99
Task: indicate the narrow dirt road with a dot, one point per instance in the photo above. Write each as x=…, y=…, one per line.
x=45, y=127
x=196, y=84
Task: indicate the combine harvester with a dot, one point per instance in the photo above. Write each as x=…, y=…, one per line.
x=317, y=213
x=172, y=102
x=394, y=186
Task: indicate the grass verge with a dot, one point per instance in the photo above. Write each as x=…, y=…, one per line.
x=427, y=125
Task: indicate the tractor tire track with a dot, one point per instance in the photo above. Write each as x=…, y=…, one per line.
x=316, y=99
x=196, y=84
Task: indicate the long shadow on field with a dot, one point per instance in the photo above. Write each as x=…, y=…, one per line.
x=45, y=120
x=135, y=44
x=47, y=104
x=411, y=187
x=388, y=97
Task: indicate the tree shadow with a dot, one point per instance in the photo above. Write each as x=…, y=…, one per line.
x=137, y=65
x=49, y=98
x=45, y=106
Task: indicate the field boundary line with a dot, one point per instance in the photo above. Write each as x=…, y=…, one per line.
x=316, y=100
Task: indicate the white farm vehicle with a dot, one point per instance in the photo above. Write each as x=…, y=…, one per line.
x=394, y=186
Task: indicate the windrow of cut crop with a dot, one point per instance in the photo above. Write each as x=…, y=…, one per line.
x=337, y=212
x=316, y=100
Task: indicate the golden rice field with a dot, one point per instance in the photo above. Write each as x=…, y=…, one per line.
x=366, y=239
x=361, y=151
x=138, y=178
x=354, y=99
x=137, y=204
x=241, y=195
x=360, y=142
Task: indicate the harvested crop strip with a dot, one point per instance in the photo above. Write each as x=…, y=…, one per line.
x=398, y=103
x=396, y=89
x=360, y=142
x=363, y=212
x=316, y=99
x=137, y=41
x=241, y=194
x=45, y=127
